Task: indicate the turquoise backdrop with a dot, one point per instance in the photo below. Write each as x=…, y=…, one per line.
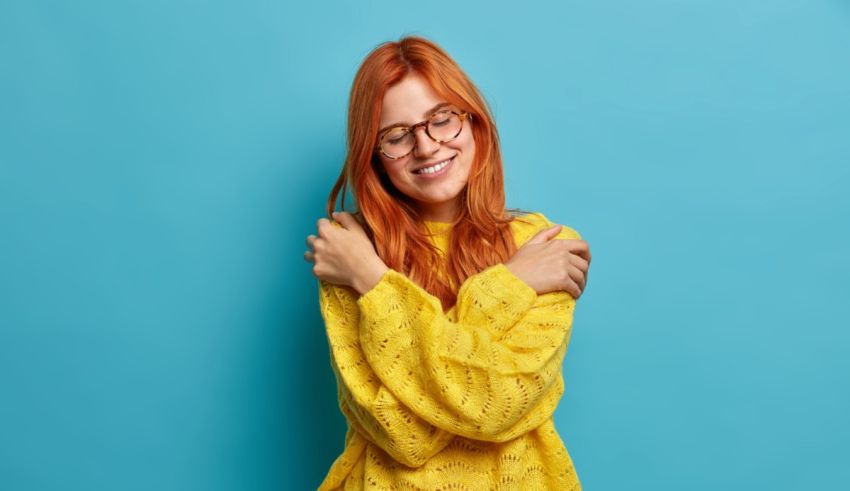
x=161, y=163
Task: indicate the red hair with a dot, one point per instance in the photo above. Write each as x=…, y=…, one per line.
x=481, y=234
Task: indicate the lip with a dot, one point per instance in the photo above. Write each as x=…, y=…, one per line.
x=439, y=173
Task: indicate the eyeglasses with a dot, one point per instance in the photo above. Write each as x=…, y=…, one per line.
x=442, y=126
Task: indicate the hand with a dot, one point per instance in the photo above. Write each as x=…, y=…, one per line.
x=550, y=265
x=343, y=254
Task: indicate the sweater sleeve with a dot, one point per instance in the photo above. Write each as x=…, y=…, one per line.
x=492, y=374
x=368, y=406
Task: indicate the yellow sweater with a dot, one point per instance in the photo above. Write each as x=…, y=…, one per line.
x=456, y=400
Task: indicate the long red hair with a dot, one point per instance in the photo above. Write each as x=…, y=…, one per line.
x=481, y=234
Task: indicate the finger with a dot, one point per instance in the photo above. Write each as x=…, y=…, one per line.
x=578, y=247
x=544, y=235
x=310, y=240
x=579, y=262
x=359, y=217
x=573, y=289
x=578, y=276
x=322, y=223
x=347, y=220
x=308, y=256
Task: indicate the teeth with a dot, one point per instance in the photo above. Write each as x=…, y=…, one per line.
x=434, y=168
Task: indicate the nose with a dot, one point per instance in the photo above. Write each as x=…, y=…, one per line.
x=425, y=146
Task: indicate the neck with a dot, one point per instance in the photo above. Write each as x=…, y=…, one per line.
x=439, y=212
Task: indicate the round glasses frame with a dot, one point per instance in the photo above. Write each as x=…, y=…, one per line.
x=463, y=115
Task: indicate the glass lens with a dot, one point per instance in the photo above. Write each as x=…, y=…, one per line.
x=397, y=142
x=444, y=125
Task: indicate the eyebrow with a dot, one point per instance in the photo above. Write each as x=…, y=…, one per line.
x=427, y=114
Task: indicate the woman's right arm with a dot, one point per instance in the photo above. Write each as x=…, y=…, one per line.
x=369, y=407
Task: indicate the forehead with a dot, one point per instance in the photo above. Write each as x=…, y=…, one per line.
x=408, y=101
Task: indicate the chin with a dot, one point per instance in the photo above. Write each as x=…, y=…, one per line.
x=441, y=197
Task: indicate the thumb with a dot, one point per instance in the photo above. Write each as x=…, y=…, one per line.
x=544, y=235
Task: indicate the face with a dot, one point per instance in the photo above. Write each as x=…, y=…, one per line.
x=437, y=195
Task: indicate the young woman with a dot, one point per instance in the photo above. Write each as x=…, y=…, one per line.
x=448, y=315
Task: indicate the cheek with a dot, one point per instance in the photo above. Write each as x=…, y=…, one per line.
x=396, y=172
x=468, y=144
x=468, y=150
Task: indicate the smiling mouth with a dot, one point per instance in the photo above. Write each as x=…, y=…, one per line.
x=436, y=168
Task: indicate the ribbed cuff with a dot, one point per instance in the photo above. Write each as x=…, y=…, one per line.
x=372, y=300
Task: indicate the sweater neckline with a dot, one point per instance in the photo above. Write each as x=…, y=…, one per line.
x=435, y=225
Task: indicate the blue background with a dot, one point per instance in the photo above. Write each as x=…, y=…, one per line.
x=161, y=163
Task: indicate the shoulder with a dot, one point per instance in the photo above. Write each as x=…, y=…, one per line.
x=526, y=224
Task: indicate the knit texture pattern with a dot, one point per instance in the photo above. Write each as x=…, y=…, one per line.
x=461, y=400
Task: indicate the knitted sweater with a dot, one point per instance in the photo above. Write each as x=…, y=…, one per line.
x=455, y=400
